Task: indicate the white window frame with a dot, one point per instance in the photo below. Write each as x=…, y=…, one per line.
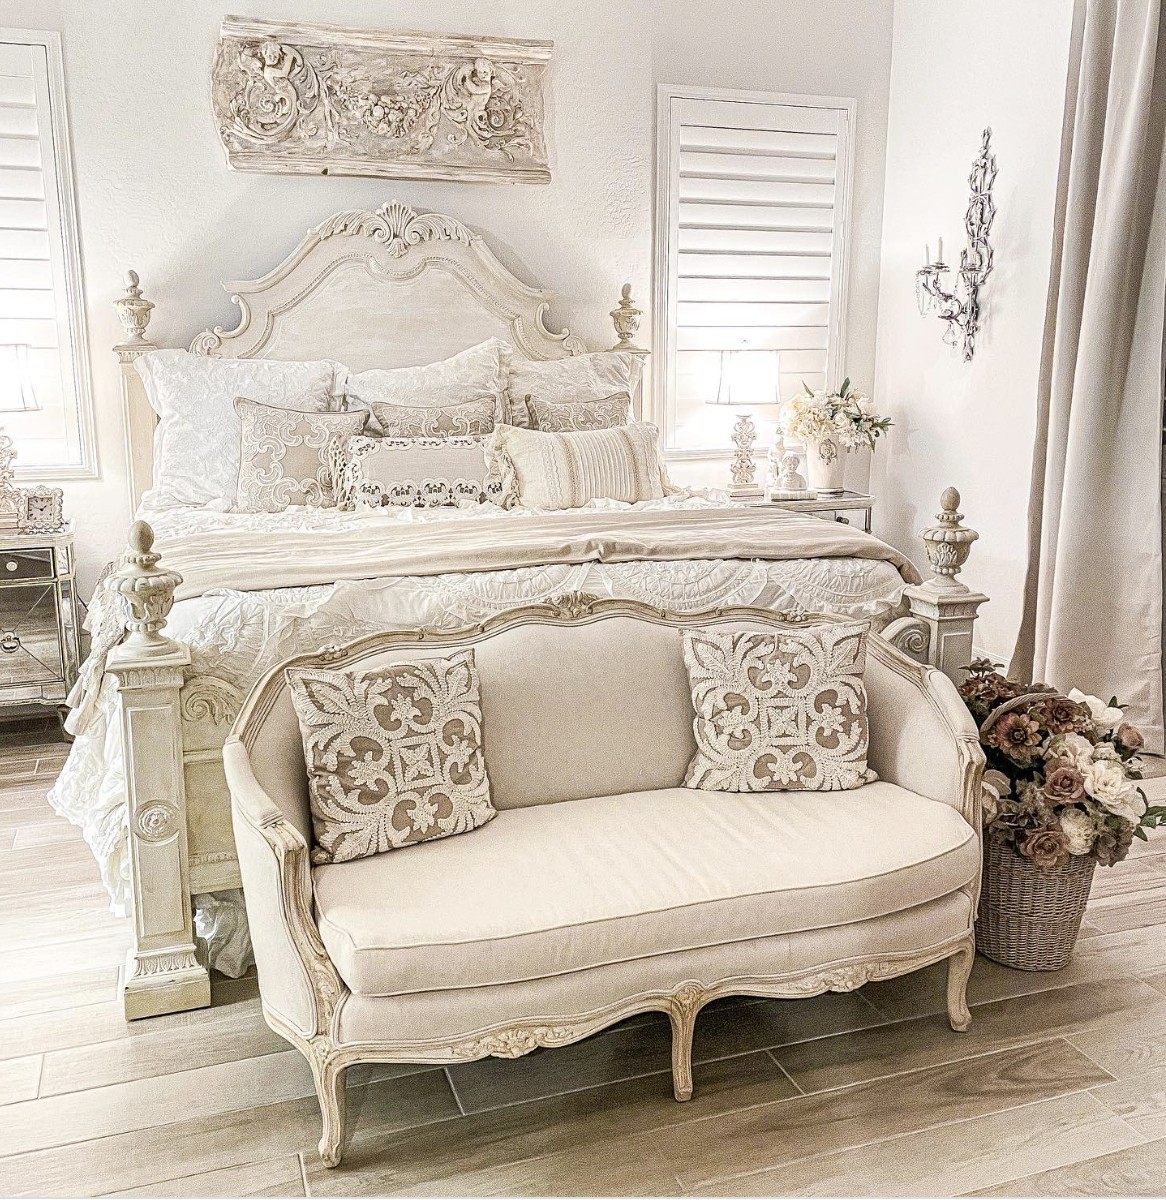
x=665, y=263
x=75, y=351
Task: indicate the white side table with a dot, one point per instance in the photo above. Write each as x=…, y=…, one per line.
x=40, y=631
x=829, y=507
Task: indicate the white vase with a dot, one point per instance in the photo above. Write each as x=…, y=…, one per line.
x=826, y=467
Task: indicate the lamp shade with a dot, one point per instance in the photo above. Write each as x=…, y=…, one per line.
x=749, y=377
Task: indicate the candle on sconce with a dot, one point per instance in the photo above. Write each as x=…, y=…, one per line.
x=939, y=253
x=927, y=254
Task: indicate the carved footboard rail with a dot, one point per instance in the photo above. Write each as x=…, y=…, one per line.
x=173, y=731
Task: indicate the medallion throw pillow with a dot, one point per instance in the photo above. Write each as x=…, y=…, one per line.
x=779, y=711
x=474, y=418
x=284, y=456
x=571, y=416
x=394, y=755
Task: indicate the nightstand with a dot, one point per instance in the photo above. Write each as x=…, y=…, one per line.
x=40, y=636
x=831, y=507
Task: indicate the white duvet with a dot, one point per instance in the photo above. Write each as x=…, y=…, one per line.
x=238, y=635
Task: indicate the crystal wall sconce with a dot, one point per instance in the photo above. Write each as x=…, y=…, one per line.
x=963, y=316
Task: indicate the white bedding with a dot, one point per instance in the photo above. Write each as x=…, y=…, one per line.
x=237, y=636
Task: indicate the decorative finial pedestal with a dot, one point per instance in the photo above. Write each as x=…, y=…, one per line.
x=743, y=468
x=163, y=972
x=944, y=606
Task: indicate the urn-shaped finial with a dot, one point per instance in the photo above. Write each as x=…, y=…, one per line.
x=949, y=542
x=626, y=319
x=133, y=311
x=146, y=591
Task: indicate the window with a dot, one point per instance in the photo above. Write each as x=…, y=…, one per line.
x=44, y=371
x=752, y=205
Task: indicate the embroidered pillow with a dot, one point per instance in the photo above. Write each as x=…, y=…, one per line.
x=284, y=456
x=566, y=380
x=474, y=418
x=394, y=755
x=570, y=416
x=566, y=470
x=474, y=373
x=779, y=711
x=196, y=443
x=412, y=472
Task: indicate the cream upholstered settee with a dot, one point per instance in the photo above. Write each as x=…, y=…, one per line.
x=603, y=887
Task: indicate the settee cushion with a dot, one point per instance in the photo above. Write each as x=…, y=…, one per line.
x=549, y=889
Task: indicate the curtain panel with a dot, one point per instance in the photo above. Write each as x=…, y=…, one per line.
x=1093, y=596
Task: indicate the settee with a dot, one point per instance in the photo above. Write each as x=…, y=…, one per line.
x=603, y=887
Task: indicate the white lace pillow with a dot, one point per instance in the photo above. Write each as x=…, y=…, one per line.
x=779, y=711
x=571, y=416
x=567, y=470
x=284, y=456
x=474, y=373
x=196, y=444
x=569, y=380
x=474, y=418
x=412, y=472
x=394, y=755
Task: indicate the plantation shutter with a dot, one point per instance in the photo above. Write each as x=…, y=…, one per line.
x=755, y=236
x=41, y=366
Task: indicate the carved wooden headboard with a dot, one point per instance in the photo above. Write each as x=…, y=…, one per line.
x=388, y=288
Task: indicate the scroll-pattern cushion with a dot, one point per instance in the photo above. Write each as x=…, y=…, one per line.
x=412, y=472
x=479, y=371
x=394, y=755
x=284, y=456
x=474, y=418
x=571, y=416
x=779, y=711
x=594, y=376
x=566, y=470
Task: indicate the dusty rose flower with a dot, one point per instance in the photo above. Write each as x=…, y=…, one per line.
x=1016, y=735
x=1062, y=715
x=1064, y=784
x=1128, y=737
x=1048, y=847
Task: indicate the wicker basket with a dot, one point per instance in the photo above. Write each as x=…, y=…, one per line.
x=1029, y=919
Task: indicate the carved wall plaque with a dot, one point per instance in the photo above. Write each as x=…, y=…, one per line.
x=306, y=99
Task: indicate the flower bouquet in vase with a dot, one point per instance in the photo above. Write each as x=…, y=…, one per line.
x=1060, y=796
x=831, y=424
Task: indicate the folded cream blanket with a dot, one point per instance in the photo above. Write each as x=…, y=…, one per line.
x=243, y=561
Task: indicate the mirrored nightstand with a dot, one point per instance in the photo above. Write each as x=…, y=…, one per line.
x=40, y=637
x=831, y=507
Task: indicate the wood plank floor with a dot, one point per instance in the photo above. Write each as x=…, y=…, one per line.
x=1059, y=1088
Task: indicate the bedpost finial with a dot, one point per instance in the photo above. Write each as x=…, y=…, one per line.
x=133, y=311
x=146, y=591
x=948, y=542
x=626, y=319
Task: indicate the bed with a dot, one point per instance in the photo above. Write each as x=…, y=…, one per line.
x=205, y=601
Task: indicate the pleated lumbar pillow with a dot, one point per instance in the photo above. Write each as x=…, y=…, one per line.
x=779, y=711
x=394, y=754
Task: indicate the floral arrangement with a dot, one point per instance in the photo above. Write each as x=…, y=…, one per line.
x=847, y=416
x=1063, y=770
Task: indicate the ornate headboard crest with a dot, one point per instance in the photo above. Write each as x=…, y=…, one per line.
x=396, y=225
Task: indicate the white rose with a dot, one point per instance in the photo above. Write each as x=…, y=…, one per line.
x=1077, y=748
x=1078, y=828
x=865, y=405
x=1106, y=751
x=1106, y=782
x=1103, y=715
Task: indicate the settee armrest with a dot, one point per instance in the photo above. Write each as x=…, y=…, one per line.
x=922, y=736
x=297, y=980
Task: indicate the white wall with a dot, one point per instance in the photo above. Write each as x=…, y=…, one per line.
x=955, y=68
x=155, y=194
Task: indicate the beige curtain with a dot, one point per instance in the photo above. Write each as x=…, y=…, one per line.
x=1093, y=593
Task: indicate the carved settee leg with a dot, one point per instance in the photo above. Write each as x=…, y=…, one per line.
x=329, y=1079
x=682, y=1013
x=959, y=970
